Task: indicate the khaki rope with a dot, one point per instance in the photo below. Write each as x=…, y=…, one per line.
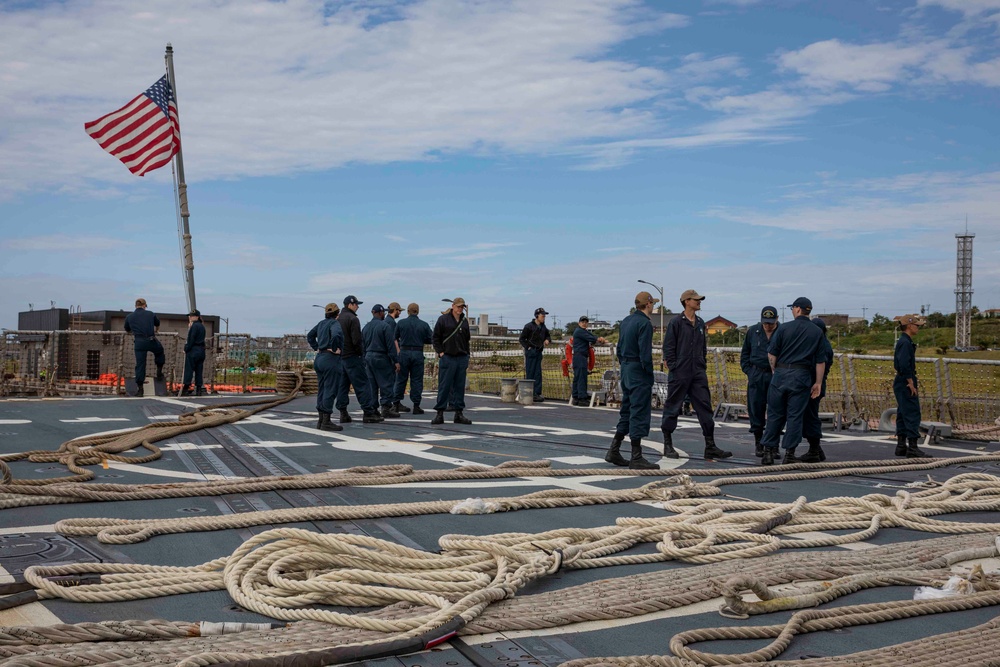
x=25, y=494
x=703, y=526
x=97, y=449
x=616, y=598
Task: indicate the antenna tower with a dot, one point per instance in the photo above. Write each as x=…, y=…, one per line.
x=963, y=290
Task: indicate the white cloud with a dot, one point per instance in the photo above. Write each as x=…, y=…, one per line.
x=65, y=243
x=273, y=88
x=936, y=201
x=866, y=67
x=966, y=7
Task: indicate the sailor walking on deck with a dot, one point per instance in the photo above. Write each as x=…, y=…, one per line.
x=412, y=334
x=534, y=337
x=353, y=362
x=381, y=360
x=753, y=361
x=327, y=338
x=812, y=428
x=194, y=355
x=583, y=340
x=144, y=325
x=451, y=339
x=392, y=317
x=685, y=351
x=796, y=357
x=635, y=358
x=904, y=386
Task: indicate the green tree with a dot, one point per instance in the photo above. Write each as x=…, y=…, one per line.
x=263, y=360
x=881, y=322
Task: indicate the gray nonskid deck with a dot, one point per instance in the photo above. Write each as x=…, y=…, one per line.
x=283, y=441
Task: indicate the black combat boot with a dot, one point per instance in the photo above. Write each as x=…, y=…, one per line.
x=758, y=449
x=186, y=390
x=139, y=392
x=371, y=417
x=900, y=444
x=388, y=412
x=417, y=410
x=614, y=452
x=199, y=391
x=913, y=452
x=399, y=407
x=767, y=459
x=815, y=453
x=462, y=419
x=159, y=373
x=637, y=462
x=319, y=420
x=790, y=457
x=668, y=446
x=438, y=418
x=345, y=417
x=538, y=399
x=326, y=425
x=713, y=452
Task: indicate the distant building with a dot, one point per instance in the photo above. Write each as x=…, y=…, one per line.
x=719, y=324
x=484, y=327
x=992, y=312
x=835, y=319
x=61, y=319
x=88, y=356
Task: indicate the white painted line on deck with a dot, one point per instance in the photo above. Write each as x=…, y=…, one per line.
x=186, y=447
x=263, y=444
x=14, y=421
x=177, y=474
x=33, y=613
x=17, y=530
x=175, y=401
x=577, y=460
x=88, y=420
x=434, y=437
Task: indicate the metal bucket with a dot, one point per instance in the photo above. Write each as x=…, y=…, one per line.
x=526, y=392
x=508, y=390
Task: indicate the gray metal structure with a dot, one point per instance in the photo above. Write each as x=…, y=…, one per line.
x=183, y=214
x=963, y=291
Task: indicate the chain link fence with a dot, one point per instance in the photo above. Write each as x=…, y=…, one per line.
x=963, y=393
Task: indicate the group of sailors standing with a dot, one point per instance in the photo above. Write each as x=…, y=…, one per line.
x=379, y=359
x=786, y=368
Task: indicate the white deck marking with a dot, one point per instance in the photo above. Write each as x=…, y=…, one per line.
x=175, y=401
x=353, y=444
x=185, y=447
x=17, y=530
x=434, y=437
x=577, y=460
x=177, y=474
x=33, y=613
x=512, y=434
x=487, y=409
x=164, y=418
x=88, y=420
x=15, y=421
x=539, y=407
x=278, y=443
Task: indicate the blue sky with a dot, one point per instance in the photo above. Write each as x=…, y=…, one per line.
x=517, y=154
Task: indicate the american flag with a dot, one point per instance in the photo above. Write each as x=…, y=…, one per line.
x=144, y=134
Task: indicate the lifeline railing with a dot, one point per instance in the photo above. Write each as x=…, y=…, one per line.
x=964, y=393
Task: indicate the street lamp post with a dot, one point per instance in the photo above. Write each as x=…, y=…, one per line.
x=660, y=290
x=225, y=367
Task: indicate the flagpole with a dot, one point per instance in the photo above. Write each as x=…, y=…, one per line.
x=180, y=190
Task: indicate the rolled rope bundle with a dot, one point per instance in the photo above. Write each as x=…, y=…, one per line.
x=286, y=381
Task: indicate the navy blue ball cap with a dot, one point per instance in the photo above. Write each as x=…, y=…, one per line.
x=818, y=321
x=378, y=308
x=769, y=314
x=801, y=302
x=540, y=311
x=351, y=299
